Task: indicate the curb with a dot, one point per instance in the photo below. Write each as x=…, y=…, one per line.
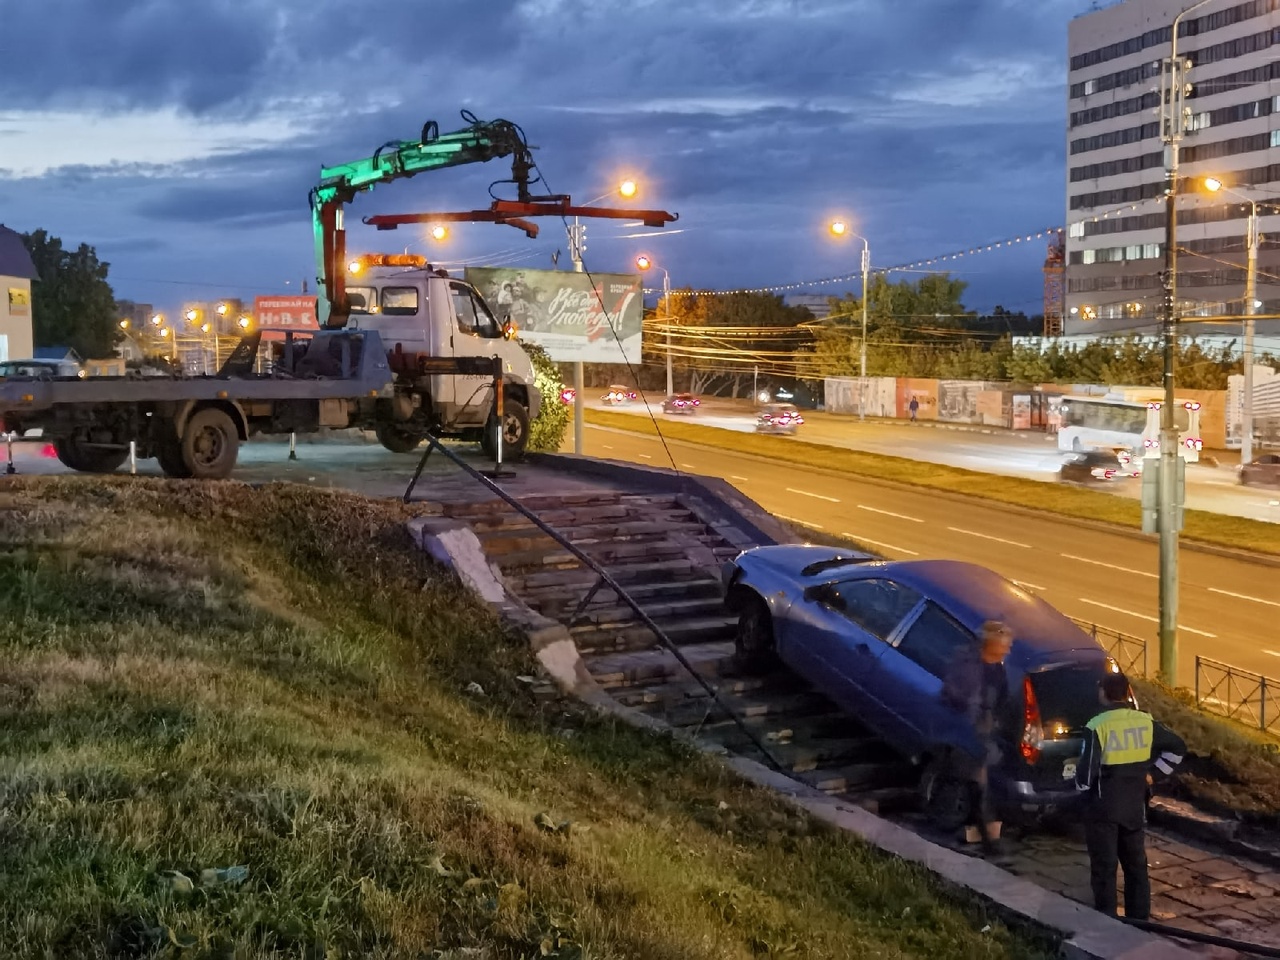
x=1087, y=934
x=1229, y=553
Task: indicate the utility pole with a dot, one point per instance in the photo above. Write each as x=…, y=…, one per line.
x=866, y=294
x=1250, y=308
x=666, y=311
x=577, y=245
x=1167, y=511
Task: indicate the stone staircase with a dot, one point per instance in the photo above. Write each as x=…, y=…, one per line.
x=669, y=561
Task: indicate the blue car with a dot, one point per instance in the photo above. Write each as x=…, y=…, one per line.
x=878, y=638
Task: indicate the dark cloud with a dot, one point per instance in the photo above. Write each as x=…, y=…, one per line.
x=938, y=123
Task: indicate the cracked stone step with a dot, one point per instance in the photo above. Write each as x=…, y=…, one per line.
x=552, y=601
x=607, y=555
x=650, y=696
x=643, y=665
x=621, y=614
x=662, y=570
x=590, y=637
x=852, y=777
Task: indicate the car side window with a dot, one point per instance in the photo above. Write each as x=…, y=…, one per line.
x=876, y=605
x=486, y=325
x=464, y=308
x=934, y=640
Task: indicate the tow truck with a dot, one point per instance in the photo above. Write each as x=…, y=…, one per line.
x=403, y=348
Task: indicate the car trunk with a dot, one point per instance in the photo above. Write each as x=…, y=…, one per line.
x=1066, y=697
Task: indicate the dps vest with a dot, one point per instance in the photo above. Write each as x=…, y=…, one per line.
x=1125, y=735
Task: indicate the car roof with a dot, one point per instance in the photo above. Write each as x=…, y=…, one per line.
x=974, y=594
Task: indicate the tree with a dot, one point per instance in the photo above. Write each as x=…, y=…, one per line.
x=546, y=433
x=74, y=305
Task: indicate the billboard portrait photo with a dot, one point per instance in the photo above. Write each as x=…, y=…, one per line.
x=575, y=317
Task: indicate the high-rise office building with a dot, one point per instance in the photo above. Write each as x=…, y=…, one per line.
x=1115, y=163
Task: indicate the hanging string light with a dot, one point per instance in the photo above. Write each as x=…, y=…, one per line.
x=853, y=277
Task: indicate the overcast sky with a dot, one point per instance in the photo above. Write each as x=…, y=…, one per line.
x=180, y=137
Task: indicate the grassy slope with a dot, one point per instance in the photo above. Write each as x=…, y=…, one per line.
x=1067, y=501
x=203, y=676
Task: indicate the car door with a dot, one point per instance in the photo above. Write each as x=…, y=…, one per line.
x=476, y=334
x=913, y=670
x=837, y=637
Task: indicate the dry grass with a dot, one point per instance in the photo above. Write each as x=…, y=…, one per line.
x=1212, y=528
x=235, y=723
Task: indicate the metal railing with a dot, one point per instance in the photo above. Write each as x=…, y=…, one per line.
x=1238, y=694
x=1129, y=651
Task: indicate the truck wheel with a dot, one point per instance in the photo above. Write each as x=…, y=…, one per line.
x=515, y=431
x=169, y=456
x=397, y=439
x=85, y=459
x=209, y=444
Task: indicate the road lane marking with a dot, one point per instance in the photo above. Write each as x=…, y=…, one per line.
x=734, y=476
x=1109, y=566
x=606, y=446
x=645, y=456
x=987, y=536
x=816, y=496
x=1143, y=616
x=688, y=466
x=1274, y=653
x=803, y=523
x=1244, y=596
x=1029, y=586
x=877, y=543
x=889, y=513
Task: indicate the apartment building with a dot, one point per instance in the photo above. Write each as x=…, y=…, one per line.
x=1115, y=163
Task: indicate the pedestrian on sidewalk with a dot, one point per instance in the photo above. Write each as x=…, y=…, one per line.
x=978, y=687
x=1114, y=773
x=913, y=406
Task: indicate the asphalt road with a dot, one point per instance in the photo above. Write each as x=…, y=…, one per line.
x=1032, y=456
x=1228, y=606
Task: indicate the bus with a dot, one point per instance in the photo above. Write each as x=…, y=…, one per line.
x=1128, y=425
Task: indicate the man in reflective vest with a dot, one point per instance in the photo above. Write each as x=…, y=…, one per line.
x=1120, y=749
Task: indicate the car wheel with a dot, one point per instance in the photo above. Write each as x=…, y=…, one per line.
x=754, y=644
x=945, y=798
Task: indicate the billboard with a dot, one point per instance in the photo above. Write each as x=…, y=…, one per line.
x=565, y=314
x=297, y=312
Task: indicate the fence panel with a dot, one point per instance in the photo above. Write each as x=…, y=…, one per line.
x=1242, y=695
x=1129, y=651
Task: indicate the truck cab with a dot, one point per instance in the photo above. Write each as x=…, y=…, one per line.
x=425, y=316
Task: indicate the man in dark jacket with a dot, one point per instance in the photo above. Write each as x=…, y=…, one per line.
x=978, y=687
x=1121, y=747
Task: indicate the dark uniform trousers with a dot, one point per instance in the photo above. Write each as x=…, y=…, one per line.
x=1119, y=752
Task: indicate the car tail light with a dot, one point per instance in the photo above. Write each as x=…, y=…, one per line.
x=1032, y=732
x=1194, y=443
x=697, y=403
x=49, y=450
x=1108, y=474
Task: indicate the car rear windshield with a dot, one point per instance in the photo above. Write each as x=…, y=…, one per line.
x=1068, y=694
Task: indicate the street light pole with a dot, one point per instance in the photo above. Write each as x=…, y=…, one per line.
x=862, y=385
x=666, y=316
x=1250, y=308
x=1167, y=521
x=576, y=247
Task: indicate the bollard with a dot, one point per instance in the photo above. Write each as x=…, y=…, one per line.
x=8, y=442
x=293, y=446
x=133, y=457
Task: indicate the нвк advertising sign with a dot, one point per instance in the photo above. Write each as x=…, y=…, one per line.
x=592, y=318
x=296, y=312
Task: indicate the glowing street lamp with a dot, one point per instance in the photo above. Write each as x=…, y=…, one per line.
x=439, y=232
x=192, y=315
x=840, y=229
x=124, y=324
x=222, y=309
x=644, y=262
x=628, y=188
x=1251, y=304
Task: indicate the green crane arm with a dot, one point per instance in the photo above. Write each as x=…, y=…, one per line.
x=478, y=143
